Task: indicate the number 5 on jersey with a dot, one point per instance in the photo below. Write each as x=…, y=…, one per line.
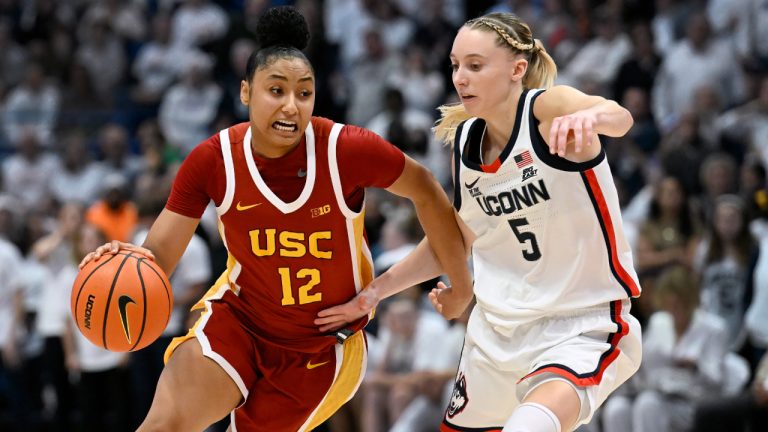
x=526, y=237
x=304, y=296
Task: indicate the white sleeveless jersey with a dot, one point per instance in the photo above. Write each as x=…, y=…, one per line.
x=549, y=231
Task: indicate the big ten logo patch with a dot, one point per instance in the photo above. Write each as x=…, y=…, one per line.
x=319, y=211
x=529, y=172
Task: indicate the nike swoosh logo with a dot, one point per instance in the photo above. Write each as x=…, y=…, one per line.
x=312, y=366
x=241, y=207
x=122, y=303
x=471, y=185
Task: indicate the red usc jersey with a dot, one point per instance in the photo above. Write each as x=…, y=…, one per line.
x=289, y=259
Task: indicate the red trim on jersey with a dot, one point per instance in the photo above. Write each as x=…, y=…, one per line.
x=447, y=427
x=492, y=168
x=592, y=378
x=597, y=192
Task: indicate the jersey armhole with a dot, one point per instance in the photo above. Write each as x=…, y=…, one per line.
x=542, y=149
x=458, y=142
x=229, y=170
x=333, y=165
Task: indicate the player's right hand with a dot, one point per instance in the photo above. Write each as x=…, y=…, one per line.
x=449, y=302
x=114, y=247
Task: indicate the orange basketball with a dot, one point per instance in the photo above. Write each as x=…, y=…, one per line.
x=122, y=302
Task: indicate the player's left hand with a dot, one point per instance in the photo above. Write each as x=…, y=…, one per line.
x=450, y=303
x=337, y=316
x=578, y=128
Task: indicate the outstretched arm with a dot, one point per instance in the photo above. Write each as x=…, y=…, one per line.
x=419, y=266
x=445, y=251
x=573, y=118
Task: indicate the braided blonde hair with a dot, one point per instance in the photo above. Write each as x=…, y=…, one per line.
x=515, y=35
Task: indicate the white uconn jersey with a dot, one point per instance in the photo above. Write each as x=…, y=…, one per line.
x=549, y=231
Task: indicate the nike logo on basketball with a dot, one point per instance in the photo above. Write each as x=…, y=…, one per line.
x=301, y=173
x=471, y=185
x=311, y=366
x=241, y=207
x=122, y=303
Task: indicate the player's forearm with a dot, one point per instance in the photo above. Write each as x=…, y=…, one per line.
x=168, y=238
x=445, y=239
x=612, y=119
x=419, y=266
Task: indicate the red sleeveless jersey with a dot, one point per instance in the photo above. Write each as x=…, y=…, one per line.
x=289, y=260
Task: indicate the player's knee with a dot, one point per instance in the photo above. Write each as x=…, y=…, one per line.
x=532, y=417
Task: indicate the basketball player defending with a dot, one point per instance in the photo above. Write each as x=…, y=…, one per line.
x=288, y=189
x=551, y=336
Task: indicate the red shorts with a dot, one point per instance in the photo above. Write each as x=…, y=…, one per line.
x=282, y=390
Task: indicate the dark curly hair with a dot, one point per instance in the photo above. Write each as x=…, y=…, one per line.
x=280, y=34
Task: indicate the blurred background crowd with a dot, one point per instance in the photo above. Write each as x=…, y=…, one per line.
x=100, y=101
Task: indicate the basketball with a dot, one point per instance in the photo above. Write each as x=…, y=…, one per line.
x=122, y=302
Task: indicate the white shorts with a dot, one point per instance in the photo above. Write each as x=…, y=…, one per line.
x=594, y=349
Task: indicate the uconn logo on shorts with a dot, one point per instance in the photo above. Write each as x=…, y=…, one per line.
x=459, y=397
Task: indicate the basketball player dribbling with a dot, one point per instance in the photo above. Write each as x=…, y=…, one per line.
x=289, y=191
x=551, y=336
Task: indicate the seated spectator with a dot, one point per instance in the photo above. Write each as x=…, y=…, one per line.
x=368, y=76
x=746, y=125
x=160, y=162
x=609, y=49
x=82, y=106
x=76, y=177
x=14, y=56
x=405, y=127
x=756, y=318
x=696, y=61
x=722, y=261
x=399, y=235
x=189, y=108
x=114, y=214
x=640, y=69
x=11, y=358
x=430, y=385
x=644, y=132
x=27, y=174
x=668, y=235
x=115, y=152
x=406, y=339
x=33, y=104
x=718, y=175
x=747, y=411
x=54, y=253
x=682, y=150
x=158, y=63
x=104, y=401
x=421, y=87
x=198, y=22
x=101, y=52
x=684, y=356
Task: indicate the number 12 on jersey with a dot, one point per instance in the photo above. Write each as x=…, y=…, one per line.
x=526, y=238
x=304, y=296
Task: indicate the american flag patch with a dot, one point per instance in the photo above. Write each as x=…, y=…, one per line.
x=523, y=159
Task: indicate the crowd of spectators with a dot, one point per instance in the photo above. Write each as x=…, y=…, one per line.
x=100, y=101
